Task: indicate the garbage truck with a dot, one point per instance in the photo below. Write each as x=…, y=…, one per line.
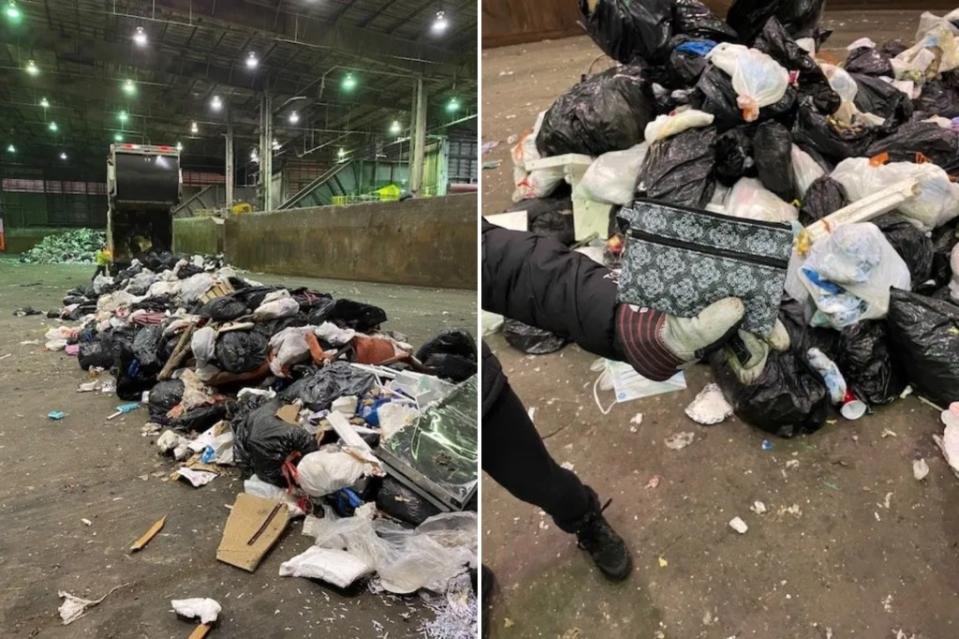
x=143, y=185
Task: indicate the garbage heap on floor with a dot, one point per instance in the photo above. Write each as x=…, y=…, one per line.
x=751, y=118
x=71, y=247
x=326, y=413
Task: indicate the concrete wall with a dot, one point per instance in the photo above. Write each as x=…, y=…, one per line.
x=21, y=240
x=203, y=235
x=428, y=242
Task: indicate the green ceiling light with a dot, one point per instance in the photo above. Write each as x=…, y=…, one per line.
x=53, y=127
x=453, y=105
x=45, y=103
x=12, y=12
x=11, y=148
x=129, y=87
x=118, y=137
x=179, y=146
x=348, y=83
x=32, y=68
x=122, y=116
x=396, y=128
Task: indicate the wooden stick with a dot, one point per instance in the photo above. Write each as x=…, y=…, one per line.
x=182, y=347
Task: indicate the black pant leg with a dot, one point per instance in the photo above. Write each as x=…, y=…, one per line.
x=516, y=458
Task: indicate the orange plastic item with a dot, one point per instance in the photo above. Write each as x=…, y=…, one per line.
x=879, y=160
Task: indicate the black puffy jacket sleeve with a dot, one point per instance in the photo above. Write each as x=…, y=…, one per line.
x=538, y=281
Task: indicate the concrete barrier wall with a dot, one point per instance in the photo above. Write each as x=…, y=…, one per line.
x=428, y=242
x=202, y=235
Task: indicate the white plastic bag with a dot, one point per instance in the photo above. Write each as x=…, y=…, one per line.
x=611, y=178
x=668, y=125
x=193, y=287
x=805, y=170
x=333, y=334
x=538, y=183
x=327, y=470
x=758, y=79
x=204, y=608
x=275, y=305
x=331, y=565
x=954, y=264
x=936, y=203
x=849, y=274
x=840, y=81
x=289, y=347
x=750, y=200
x=203, y=343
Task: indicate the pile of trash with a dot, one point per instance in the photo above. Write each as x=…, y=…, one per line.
x=329, y=416
x=70, y=247
x=744, y=118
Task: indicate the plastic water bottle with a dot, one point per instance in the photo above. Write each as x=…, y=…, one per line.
x=831, y=376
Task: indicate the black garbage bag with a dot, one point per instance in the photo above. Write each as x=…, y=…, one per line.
x=892, y=48
x=867, y=363
x=924, y=337
x=799, y=17
x=693, y=18
x=684, y=68
x=309, y=299
x=551, y=215
x=939, y=97
x=450, y=355
x=93, y=354
x=627, y=30
x=398, y=501
x=224, y=309
x=349, y=314
x=869, y=61
x=777, y=43
x=158, y=261
x=605, y=112
x=146, y=345
x=163, y=396
x=199, y=418
x=939, y=145
x=913, y=246
x=678, y=169
x=263, y=441
x=734, y=155
x=944, y=239
x=189, y=270
x=833, y=142
x=715, y=94
x=240, y=351
x=881, y=98
x=824, y=196
x=530, y=339
x=321, y=387
x=772, y=151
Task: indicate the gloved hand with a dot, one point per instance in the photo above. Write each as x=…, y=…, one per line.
x=657, y=344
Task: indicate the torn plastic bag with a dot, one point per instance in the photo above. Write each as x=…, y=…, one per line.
x=867, y=363
x=629, y=31
x=263, y=441
x=240, y=351
x=320, y=388
x=758, y=80
x=347, y=313
x=398, y=501
x=868, y=61
x=693, y=18
x=825, y=196
x=849, y=273
x=605, y=112
x=530, y=339
x=940, y=97
x=799, y=17
x=827, y=137
x=914, y=140
x=163, y=396
x=678, y=170
x=668, y=125
x=611, y=178
x=734, y=150
x=536, y=183
x=881, y=98
x=772, y=150
x=749, y=200
x=806, y=170
x=924, y=337
x=912, y=245
x=451, y=354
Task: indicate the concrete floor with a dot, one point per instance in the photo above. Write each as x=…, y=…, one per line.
x=848, y=563
x=57, y=473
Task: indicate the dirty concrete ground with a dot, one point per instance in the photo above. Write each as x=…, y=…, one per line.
x=57, y=473
x=869, y=551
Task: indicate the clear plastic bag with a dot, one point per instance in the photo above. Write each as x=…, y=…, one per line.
x=327, y=470
x=612, y=177
x=805, y=170
x=758, y=79
x=538, y=183
x=750, y=200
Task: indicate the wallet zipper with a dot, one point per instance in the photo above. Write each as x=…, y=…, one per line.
x=709, y=250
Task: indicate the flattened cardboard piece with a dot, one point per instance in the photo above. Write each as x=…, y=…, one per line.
x=289, y=413
x=148, y=536
x=253, y=527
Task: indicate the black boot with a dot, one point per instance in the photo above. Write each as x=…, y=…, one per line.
x=605, y=547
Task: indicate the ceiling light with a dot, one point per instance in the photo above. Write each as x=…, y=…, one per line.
x=63, y=155
x=129, y=87
x=53, y=126
x=216, y=103
x=12, y=11
x=32, y=68
x=118, y=137
x=11, y=148
x=294, y=117
x=440, y=23
x=179, y=146
x=341, y=153
x=276, y=144
x=140, y=37
x=44, y=103
x=396, y=128
x=194, y=128
x=253, y=156
x=453, y=105
x=252, y=61
x=122, y=116
x=348, y=83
